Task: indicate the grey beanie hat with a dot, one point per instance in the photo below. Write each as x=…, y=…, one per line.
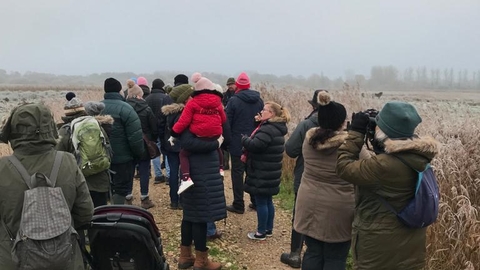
x=93, y=107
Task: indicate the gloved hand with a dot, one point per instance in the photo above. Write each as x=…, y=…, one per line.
x=360, y=122
x=172, y=140
x=220, y=141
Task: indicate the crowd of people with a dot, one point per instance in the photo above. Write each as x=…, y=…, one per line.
x=199, y=132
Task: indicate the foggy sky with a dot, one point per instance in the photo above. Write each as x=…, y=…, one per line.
x=228, y=36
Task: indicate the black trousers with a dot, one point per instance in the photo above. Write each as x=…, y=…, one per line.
x=196, y=232
x=99, y=198
x=297, y=239
x=122, y=177
x=238, y=171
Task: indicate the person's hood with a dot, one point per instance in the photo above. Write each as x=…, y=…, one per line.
x=146, y=90
x=173, y=108
x=207, y=99
x=416, y=147
x=104, y=119
x=69, y=118
x=137, y=104
x=279, y=123
x=331, y=144
x=30, y=129
x=158, y=90
x=249, y=96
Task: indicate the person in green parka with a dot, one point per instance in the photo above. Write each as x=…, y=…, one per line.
x=126, y=139
x=379, y=239
x=32, y=134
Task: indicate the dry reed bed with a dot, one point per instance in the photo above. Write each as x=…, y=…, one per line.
x=454, y=240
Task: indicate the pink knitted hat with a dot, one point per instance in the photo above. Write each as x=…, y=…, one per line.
x=142, y=81
x=202, y=83
x=243, y=81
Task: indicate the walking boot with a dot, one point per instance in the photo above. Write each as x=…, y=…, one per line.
x=186, y=259
x=203, y=263
x=292, y=259
x=147, y=203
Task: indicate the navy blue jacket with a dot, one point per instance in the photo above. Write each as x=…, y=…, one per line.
x=241, y=110
x=205, y=200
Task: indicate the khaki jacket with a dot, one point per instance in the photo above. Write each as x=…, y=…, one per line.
x=380, y=240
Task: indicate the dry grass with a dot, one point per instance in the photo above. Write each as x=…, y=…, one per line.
x=454, y=240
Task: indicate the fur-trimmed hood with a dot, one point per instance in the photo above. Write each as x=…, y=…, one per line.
x=425, y=146
x=333, y=142
x=277, y=119
x=104, y=119
x=173, y=108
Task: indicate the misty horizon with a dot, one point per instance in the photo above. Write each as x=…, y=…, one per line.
x=227, y=37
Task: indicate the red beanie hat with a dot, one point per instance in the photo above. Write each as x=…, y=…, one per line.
x=243, y=81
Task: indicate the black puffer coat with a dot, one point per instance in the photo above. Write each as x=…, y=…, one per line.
x=147, y=119
x=264, y=158
x=205, y=200
x=156, y=100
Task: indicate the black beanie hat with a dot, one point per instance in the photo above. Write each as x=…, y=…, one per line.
x=180, y=79
x=112, y=85
x=70, y=95
x=158, y=84
x=331, y=115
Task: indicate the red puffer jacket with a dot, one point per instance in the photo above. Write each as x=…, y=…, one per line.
x=204, y=115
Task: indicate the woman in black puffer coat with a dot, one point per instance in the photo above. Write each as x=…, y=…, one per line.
x=263, y=153
x=148, y=121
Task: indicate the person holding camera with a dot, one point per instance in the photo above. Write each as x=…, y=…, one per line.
x=325, y=203
x=380, y=240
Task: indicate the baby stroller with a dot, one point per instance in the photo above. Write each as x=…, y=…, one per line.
x=125, y=238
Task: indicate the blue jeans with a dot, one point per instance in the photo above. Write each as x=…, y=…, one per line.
x=265, y=213
x=211, y=228
x=322, y=255
x=167, y=166
x=156, y=164
x=144, y=171
x=174, y=162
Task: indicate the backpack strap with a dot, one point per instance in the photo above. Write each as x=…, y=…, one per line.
x=21, y=170
x=56, y=167
x=404, y=162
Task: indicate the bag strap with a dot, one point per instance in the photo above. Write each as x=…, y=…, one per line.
x=12, y=238
x=30, y=180
x=21, y=170
x=405, y=162
x=56, y=167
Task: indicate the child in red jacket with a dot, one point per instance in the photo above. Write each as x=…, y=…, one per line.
x=204, y=116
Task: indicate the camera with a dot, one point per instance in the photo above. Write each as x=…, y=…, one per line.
x=372, y=124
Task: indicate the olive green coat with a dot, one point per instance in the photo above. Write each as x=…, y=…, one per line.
x=32, y=135
x=379, y=240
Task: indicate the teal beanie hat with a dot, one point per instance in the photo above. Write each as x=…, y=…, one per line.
x=398, y=119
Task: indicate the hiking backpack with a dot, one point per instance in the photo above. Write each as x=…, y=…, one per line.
x=422, y=210
x=46, y=238
x=92, y=152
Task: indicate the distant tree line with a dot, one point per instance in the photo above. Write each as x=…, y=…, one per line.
x=380, y=78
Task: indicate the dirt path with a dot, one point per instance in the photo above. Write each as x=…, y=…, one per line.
x=234, y=249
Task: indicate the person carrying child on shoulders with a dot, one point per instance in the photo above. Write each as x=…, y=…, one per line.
x=203, y=116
